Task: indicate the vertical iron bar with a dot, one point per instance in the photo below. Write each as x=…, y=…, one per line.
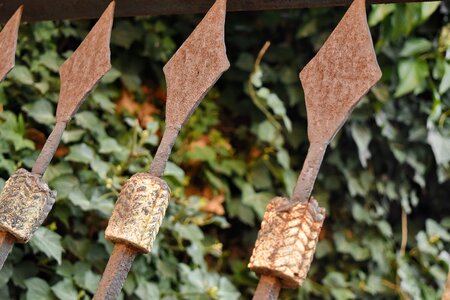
x=268, y=288
x=49, y=149
x=164, y=149
x=309, y=172
x=6, y=245
x=116, y=271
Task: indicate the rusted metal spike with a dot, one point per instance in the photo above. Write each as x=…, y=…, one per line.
x=26, y=199
x=190, y=74
x=138, y=213
x=343, y=71
x=79, y=74
x=8, y=43
x=85, y=67
x=334, y=81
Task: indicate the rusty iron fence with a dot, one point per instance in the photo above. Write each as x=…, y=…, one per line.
x=334, y=81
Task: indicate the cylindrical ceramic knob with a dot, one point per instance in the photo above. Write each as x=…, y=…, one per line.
x=25, y=202
x=287, y=241
x=139, y=212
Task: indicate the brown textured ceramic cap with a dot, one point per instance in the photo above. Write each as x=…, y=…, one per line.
x=8, y=43
x=85, y=67
x=196, y=66
x=343, y=71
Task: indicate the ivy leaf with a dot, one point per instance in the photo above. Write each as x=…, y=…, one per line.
x=362, y=137
x=48, y=242
x=85, y=278
x=440, y=145
x=380, y=12
x=22, y=74
x=227, y=291
x=42, y=111
x=147, y=290
x=434, y=229
x=412, y=73
x=38, y=289
x=445, y=82
x=81, y=153
x=65, y=290
x=415, y=46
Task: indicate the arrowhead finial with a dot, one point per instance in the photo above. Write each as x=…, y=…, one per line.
x=85, y=67
x=341, y=73
x=196, y=66
x=8, y=43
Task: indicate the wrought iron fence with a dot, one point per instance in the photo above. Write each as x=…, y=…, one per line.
x=334, y=81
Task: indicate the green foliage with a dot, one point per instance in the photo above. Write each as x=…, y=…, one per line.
x=384, y=181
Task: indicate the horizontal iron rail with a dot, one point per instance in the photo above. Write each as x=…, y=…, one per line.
x=42, y=10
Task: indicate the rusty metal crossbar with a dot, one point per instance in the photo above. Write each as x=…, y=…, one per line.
x=43, y=10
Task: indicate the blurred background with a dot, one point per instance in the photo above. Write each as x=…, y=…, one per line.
x=384, y=180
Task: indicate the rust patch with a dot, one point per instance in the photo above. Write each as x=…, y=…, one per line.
x=268, y=288
x=6, y=245
x=196, y=66
x=190, y=74
x=119, y=264
x=8, y=43
x=85, y=67
x=334, y=81
x=343, y=70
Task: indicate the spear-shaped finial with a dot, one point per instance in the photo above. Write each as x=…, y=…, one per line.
x=8, y=43
x=334, y=81
x=142, y=203
x=26, y=199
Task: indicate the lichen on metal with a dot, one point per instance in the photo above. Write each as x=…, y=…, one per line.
x=139, y=212
x=287, y=241
x=8, y=43
x=25, y=202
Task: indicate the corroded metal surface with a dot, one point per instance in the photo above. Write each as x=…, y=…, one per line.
x=6, y=244
x=334, y=81
x=8, y=43
x=268, y=288
x=344, y=70
x=190, y=74
x=139, y=212
x=40, y=10
x=49, y=149
x=25, y=202
x=196, y=66
x=79, y=74
x=287, y=241
x=119, y=264
x=85, y=67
